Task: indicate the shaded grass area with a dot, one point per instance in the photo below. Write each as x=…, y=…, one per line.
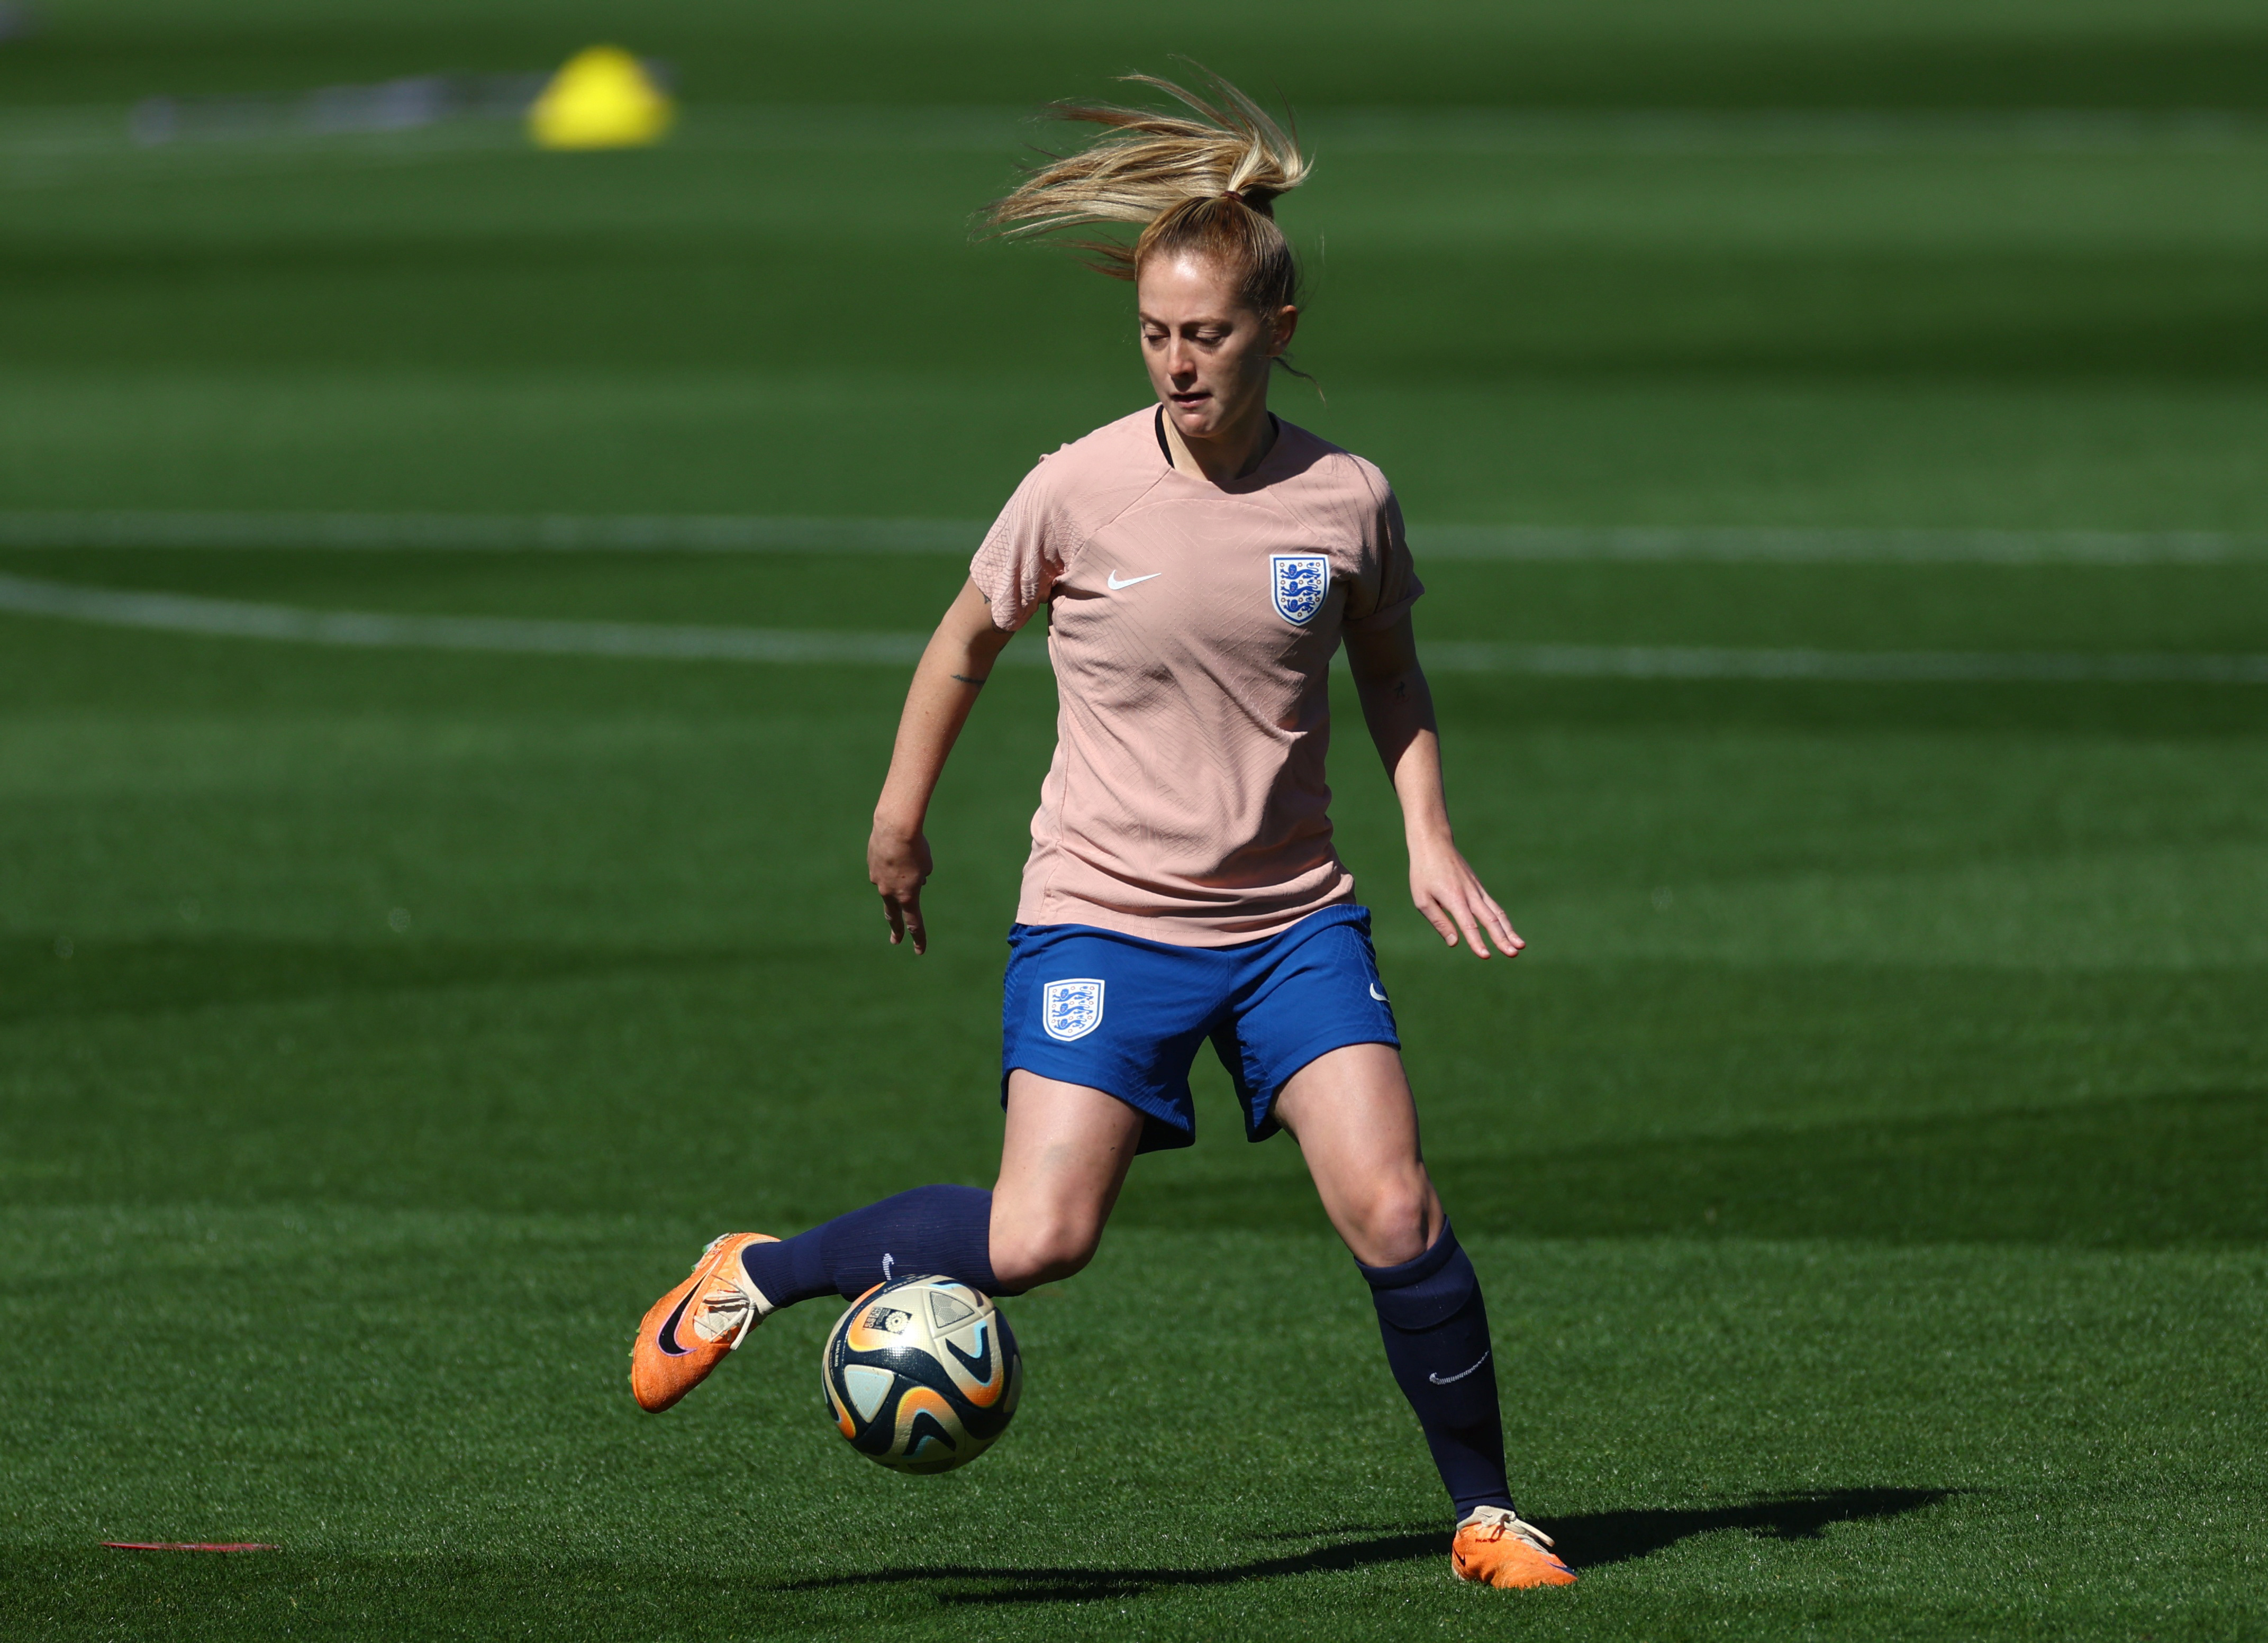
x=1656, y=449
x=1595, y=1540
x=2150, y=1173
x=435, y=1073
x=2186, y=313
x=355, y=1596
x=1892, y=1100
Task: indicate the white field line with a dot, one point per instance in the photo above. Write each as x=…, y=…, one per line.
x=1768, y=545
x=1701, y=661
x=182, y=613
x=566, y=533
x=228, y=618
x=764, y=533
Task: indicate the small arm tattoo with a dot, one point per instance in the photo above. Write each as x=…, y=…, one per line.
x=966, y=680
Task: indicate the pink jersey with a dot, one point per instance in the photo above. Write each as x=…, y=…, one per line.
x=1191, y=626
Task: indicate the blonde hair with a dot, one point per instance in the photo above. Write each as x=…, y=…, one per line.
x=1204, y=187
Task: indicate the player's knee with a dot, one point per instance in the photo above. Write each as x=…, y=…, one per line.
x=1392, y=1222
x=1042, y=1252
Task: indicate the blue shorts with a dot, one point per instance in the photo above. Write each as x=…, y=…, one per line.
x=1125, y=1015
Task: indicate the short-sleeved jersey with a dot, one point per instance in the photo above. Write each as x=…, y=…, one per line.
x=1191, y=628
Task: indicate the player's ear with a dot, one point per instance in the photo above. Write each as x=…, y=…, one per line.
x=1287, y=321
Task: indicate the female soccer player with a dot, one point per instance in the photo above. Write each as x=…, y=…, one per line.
x=1200, y=560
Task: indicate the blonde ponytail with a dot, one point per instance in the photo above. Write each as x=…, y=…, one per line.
x=1205, y=186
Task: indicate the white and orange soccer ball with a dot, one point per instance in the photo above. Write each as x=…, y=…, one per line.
x=922, y=1374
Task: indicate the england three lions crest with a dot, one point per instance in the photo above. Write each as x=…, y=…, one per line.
x=1300, y=581
x=1071, y=1009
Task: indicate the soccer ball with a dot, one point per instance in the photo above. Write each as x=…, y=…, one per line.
x=922, y=1374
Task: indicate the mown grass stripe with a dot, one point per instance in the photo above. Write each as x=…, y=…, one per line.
x=224, y=618
x=727, y=532
x=298, y=121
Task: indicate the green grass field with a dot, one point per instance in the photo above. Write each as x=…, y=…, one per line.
x=1865, y=1164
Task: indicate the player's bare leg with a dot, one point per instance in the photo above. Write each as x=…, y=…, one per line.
x=1063, y=1161
x=1351, y=1113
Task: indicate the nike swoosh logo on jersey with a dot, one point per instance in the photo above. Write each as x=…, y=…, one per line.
x=1376, y=994
x=1115, y=584
x=1451, y=1380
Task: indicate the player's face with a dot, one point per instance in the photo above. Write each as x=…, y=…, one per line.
x=1207, y=351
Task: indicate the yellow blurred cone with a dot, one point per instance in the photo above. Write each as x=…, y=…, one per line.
x=601, y=98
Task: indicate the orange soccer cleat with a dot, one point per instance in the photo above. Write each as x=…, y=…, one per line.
x=1494, y=1548
x=687, y=1332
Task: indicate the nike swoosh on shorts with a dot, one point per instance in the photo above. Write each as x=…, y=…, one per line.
x=1115, y=584
x=1376, y=994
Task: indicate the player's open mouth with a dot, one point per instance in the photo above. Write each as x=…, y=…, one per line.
x=1197, y=398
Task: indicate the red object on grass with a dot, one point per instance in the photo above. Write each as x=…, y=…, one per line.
x=189, y=1545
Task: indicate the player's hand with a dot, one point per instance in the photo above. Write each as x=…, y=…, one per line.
x=898, y=863
x=1450, y=894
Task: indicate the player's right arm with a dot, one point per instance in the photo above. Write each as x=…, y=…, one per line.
x=952, y=670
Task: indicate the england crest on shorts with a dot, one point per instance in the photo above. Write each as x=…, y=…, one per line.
x=1071, y=1009
x=1300, y=582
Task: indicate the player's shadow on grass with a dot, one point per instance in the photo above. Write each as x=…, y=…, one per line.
x=1595, y=1540
x=1591, y=1540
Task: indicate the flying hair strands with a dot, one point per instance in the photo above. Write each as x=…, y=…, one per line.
x=1205, y=185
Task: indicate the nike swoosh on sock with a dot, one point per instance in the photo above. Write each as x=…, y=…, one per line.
x=1451, y=1380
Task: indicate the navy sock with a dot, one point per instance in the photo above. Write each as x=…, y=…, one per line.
x=1435, y=1325
x=942, y=1230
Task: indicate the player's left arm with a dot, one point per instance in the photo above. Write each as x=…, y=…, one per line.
x=1399, y=710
